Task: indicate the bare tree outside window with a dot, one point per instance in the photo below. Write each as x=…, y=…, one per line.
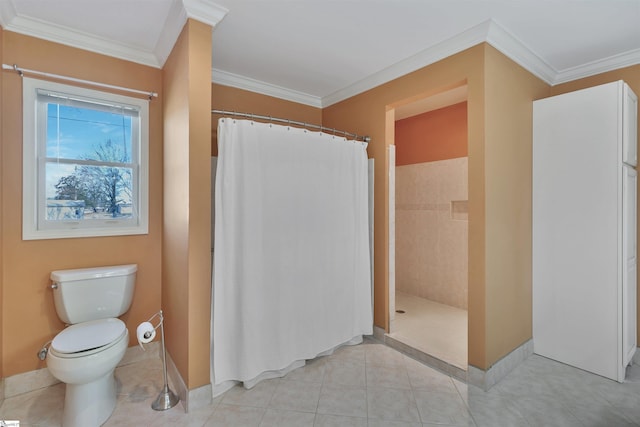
x=104, y=189
x=85, y=162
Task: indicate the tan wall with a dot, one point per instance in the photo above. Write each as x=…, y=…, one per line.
x=510, y=91
x=186, y=262
x=499, y=144
x=28, y=315
x=242, y=101
x=499, y=136
x=2, y=179
x=631, y=75
x=366, y=113
x=175, y=251
x=436, y=135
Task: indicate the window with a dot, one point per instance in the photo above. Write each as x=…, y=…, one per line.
x=85, y=156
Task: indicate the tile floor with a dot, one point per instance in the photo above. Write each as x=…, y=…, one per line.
x=369, y=385
x=436, y=329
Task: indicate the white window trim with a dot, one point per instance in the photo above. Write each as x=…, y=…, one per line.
x=31, y=168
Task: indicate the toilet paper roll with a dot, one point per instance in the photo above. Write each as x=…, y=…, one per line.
x=145, y=333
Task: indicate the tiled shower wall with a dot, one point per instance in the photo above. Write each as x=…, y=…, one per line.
x=432, y=231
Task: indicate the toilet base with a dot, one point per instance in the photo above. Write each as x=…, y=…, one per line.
x=91, y=404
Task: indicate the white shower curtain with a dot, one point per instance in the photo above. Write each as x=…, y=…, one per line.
x=292, y=274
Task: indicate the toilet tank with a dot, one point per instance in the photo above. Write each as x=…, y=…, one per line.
x=87, y=294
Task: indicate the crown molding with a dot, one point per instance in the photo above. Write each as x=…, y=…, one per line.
x=201, y=10
x=518, y=52
x=455, y=44
x=611, y=63
x=172, y=28
x=210, y=13
x=234, y=80
x=205, y=11
x=79, y=39
x=504, y=41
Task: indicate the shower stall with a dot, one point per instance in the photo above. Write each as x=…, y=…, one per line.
x=431, y=234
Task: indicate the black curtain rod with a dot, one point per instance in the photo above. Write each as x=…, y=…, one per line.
x=357, y=137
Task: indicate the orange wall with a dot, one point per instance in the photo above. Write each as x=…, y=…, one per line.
x=510, y=91
x=200, y=36
x=28, y=316
x=371, y=113
x=2, y=179
x=631, y=75
x=242, y=101
x=186, y=262
x=499, y=144
x=436, y=135
x=499, y=149
x=184, y=282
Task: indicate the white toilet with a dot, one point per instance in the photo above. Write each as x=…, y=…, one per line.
x=85, y=354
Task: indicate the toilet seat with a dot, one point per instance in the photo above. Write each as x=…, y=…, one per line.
x=83, y=339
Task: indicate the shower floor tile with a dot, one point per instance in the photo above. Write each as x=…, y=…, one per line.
x=435, y=329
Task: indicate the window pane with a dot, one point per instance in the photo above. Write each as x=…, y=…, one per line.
x=80, y=192
x=87, y=134
x=85, y=162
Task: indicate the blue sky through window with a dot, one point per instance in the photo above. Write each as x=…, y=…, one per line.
x=76, y=133
x=94, y=145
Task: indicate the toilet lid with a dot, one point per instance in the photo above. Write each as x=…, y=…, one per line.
x=88, y=335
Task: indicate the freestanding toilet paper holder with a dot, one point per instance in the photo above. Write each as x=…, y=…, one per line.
x=167, y=399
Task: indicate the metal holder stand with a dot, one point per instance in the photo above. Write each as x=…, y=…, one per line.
x=166, y=399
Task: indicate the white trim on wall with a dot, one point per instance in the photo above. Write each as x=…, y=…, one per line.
x=489, y=31
x=205, y=11
x=392, y=236
x=210, y=13
x=39, y=378
x=234, y=80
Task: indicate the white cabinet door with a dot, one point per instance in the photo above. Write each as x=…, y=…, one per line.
x=576, y=247
x=630, y=262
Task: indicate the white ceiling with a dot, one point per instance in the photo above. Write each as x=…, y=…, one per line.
x=319, y=52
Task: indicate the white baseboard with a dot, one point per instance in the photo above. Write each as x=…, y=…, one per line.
x=40, y=378
x=379, y=333
x=487, y=379
x=474, y=376
x=190, y=399
x=426, y=359
x=176, y=383
x=28, y=381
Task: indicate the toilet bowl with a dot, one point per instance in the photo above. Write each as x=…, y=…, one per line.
x=84, y=356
